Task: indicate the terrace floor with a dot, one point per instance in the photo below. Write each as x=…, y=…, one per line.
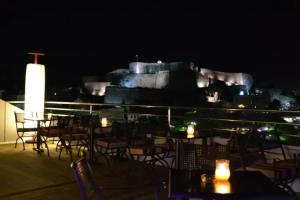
x=29, y=175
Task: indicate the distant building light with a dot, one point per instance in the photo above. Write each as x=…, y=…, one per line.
x=54, y=93
x=201, y=84
x=213, y=99
x=228, y=83
x=242, y=93
x=288, y=119
x=264, y=128
x=241, y=106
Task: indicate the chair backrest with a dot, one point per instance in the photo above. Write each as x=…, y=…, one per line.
x=19, y=119
x=196, y=157
x=53, y=127
x=85, y=180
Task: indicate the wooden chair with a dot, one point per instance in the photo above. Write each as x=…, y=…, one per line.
x=89, y=190
x=23, y=131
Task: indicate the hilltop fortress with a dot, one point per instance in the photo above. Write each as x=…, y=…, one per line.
x=160, y=82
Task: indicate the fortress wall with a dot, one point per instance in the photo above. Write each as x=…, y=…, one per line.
x=96, y=88
x=228, y=78
x=158, y=81
x=153, y=68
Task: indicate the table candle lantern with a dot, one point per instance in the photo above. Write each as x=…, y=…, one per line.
x=49, y=116
x=104, y=122
x=190, y=131
x=222, y=171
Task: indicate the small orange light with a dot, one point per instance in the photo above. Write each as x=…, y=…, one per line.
x=222, y=171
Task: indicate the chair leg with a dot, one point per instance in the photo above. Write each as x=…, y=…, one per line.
x=81, y=148
x=17, y=142
x=58, y=144
x=71, y=154
x=60, y=150
x=62, y=145
x=47, y=150
x=23, y=144
x=44, y=141
x=68, y=150
x=33, y=140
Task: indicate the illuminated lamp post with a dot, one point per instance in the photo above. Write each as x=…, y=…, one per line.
x=35, y=88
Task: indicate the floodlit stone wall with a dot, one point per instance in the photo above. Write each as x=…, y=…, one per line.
x=229, y=78
x=152, y=68
x=158, y=80
x=202, y=81
x=161, y=75
x=96, y=88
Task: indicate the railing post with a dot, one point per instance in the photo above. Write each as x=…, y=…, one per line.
x=125, y=113
x=91, y=109
x=169, y=116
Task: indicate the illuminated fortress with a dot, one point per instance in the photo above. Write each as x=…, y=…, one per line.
x=164, y=81
x=157, y=75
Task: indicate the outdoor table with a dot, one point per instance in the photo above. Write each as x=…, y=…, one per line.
x=185, y=184
x=38, y=122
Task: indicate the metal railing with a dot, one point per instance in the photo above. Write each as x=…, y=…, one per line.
x=226, y=116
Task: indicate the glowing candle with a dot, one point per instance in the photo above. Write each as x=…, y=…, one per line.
x=222, y=171
x=190, y=131
x=222, y=187
x=104, y=122
x=49, y=116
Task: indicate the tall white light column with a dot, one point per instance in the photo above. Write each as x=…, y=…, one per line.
x=35, y=88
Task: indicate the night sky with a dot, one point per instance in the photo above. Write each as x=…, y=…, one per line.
x=256, y=37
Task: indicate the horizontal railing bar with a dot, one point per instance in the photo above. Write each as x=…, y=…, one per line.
x=100, y=104
x=251, y=121
x=178, y=107
x=195, y=109
x=250, y=110
x=150, y=106
x=67, y=109
x=290, y=135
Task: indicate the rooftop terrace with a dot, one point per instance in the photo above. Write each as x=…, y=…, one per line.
x=28, y=175
x=31, y=175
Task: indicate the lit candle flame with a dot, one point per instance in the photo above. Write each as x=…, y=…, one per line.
x=104, y=122
x=190, y=131
x=49, y=116
x=222, y=171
